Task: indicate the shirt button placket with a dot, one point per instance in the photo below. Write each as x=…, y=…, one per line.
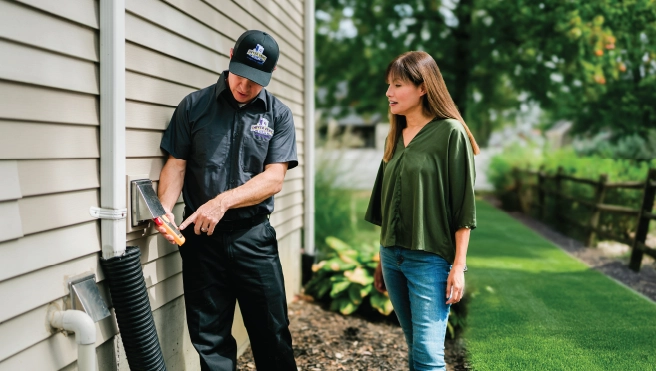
x=234, y=156
x=397, y=199
x=235, y=117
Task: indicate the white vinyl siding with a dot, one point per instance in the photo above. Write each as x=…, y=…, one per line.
x=49, y=150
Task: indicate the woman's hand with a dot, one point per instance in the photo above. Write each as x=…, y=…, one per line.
x=455, y=284
x=379, y=282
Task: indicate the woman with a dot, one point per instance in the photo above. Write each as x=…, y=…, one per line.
x=423, y=199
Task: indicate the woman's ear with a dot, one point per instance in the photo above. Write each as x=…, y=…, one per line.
x=422, y=89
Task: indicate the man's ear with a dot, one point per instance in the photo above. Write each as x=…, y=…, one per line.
x=231, y=53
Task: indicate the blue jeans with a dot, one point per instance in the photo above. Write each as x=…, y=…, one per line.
x=416, y=283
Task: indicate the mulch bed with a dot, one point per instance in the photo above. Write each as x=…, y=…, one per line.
x=325, y=340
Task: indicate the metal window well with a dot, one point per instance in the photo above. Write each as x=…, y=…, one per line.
x=133, y=313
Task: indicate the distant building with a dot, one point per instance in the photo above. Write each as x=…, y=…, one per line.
x=348, y=127
x=558, y=135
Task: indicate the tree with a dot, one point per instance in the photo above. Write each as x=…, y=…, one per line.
x=591, y=62
x=588, y=61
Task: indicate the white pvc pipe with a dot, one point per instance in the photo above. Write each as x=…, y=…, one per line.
x=85, y=335
x=86, y=357
x=113, y=188
x=309, y=127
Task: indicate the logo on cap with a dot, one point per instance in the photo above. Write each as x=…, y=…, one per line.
x=257, y=54
x=262, y=129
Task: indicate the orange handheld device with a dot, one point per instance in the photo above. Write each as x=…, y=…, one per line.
x=146, y=206
x=171, y=230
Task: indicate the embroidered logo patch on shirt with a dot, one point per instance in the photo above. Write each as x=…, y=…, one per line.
x=261, y=129
x=257, y=54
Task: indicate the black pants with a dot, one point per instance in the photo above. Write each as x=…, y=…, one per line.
x=229, y=266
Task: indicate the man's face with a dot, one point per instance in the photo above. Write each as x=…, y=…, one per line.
x=243, y=89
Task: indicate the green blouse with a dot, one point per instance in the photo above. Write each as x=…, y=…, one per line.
x=425, y=193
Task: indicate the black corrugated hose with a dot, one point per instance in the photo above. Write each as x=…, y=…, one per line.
x=133, y=314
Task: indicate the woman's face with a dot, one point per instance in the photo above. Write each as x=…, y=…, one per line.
x=404, y=97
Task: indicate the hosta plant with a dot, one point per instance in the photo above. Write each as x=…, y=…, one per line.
x=346, y=278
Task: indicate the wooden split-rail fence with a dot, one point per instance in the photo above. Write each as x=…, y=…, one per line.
x=596, y=206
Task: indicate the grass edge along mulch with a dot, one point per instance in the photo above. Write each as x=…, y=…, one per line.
x=534, y=307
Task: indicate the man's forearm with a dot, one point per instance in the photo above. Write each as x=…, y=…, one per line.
x=256, y=190
x=170, y=184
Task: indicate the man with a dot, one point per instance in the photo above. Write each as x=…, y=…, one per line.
x=229, y=148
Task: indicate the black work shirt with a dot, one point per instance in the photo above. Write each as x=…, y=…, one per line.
x=226, y=145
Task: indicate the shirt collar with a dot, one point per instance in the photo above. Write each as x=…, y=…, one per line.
x=222, y=85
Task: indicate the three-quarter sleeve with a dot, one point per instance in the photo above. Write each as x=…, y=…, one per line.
x=374, y=214
x=461, y=179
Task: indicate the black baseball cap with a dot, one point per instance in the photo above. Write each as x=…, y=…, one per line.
x=254, y=57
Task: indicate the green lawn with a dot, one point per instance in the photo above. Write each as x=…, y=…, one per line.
x=534, y=307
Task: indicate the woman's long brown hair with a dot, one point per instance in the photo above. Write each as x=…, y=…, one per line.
x=420, y=68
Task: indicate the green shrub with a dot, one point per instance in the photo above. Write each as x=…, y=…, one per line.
x=339, y=212
x=333, y=209
x=500, y=172
x=346, y=278
x=617, y=170
x=628, y=147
